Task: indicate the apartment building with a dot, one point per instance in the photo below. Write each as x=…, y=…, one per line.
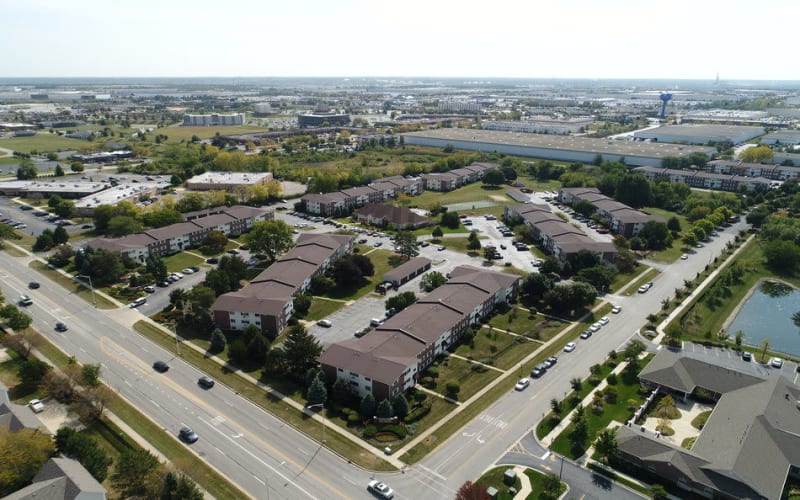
x=771, y=172
x=383, y=215
x=342, y=202
x=267, y=301
x=389, y=360
x=182, y=235
x=717, y=181
x=622, y=219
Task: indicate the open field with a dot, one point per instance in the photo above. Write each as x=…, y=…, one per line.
x=179, y=133
x=45, y=142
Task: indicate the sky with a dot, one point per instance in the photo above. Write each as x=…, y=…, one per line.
x=692, y=39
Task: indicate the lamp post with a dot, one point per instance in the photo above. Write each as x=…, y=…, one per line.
x=91, y=287
x=320, y=405
x=177, y=344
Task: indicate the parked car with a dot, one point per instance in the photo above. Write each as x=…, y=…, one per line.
x=522, y=384
x=570, y=347
x=747, y=356
x=776, y=362
x=603, y=321
x=586, y=334
x=325, y=323
x=188, y=270
x=380, y=489
x=549, y=362
x=187, y=434
x=647, y=286
x=149, y=289
x=212, y=260
x=36, y=405
x=595, y=327
x=616, y=309
x=195, y=269
x=684, y=256
x=160, y=366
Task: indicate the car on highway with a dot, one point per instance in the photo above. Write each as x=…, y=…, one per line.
x=380, y=489
x=206, y=382
x=570, y=347
x=616, y=309
x=326, y=323
x=24, y=300
x=522, y=384
x=33, y=285
x=161, y=366
x=647, y=286
x=188, y=435
x=61, y=327
x=36, y=405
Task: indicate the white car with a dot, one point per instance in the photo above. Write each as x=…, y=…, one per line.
x=36, y=405
x=644, y=288
x=603, y=321
x=187, y=271
x=616, y=309
x=595, y=327
x=522, y=384
x=380, y=489
x=569, y=347
x=325, y=323
x=684, y=256
x=776, y=362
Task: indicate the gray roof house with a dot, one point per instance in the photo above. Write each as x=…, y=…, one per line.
x=750, y=444
x=61, y=478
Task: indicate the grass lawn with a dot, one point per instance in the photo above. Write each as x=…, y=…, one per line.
x=322, y=307
x=622, y=279
x=74, y=286
x=617, y=412
x=460, y=245
x=520, y=321
x=179, y=133
x=265, y=400
x=45, y=142
x=474, y=192
x=537, y=485
x=494, y=477
x=498, y=348
x=182, y=260
x=470, y=376
x=426, y=231
x=641, y=280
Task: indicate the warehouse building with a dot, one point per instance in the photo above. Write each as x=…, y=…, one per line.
x=699, y=134
x=227, y=181
x=213, y=120
x=554, y=147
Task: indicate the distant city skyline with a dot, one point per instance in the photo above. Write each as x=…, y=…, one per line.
x=614, y=39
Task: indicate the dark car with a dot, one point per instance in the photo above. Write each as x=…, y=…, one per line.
x=212, y=260
x=160, y=366
x=195, y=269
x=33, y=285
x=187, y=434
x=61, y=327
x=206, y=382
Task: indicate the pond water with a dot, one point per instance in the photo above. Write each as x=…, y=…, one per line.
x=767, y=314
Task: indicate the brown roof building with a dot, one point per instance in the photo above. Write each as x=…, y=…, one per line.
x=267, y=301
x=622, y=219
x=383, y=215
x=388, y=360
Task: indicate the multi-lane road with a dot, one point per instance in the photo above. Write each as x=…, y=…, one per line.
x=268, y=459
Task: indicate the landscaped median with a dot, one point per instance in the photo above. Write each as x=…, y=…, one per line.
x=74, y=286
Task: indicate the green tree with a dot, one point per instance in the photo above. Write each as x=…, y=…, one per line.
x=782, y=255
x=60, y=235
x=179, y=487
x=15, y=319
x=85, y=450
x=271, y=238
x=451, y=220
x=431, y=281
x=317, y=393
x=400, y=301
x=346, y=273
x=155, y=265
x=257, y=348
x=26, y=170
x=405, y=243
x=64, y=209
x=385, y=409
x=218, y=341
x=606, y=443
x=31, y=372
x=22, y=455
x=214, y=242
x=44, y=241
x=437, y=232
x=301, y=350
x=368, y=405
x=122, y=225
x=474, y=244
x=400, y=405
x=551, y=486
x=58, y=171
x=341, y=391
x=364, y=264
x=237, y=351
x=493, y=177
x=135, y=472
x=218, y=280
x=452, y=388
x=90, y=375
x=202, y=296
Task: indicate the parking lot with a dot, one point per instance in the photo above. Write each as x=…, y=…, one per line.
x=730, y=358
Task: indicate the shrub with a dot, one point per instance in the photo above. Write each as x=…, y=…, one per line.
x=395, y=429
x=612, y=379
x=353, y=418
x=593, y=381
x=420, y=396
x=418, y=413
x=432, y=372
x=369, y=431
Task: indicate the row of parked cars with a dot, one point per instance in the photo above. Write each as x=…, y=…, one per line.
x=537, y=372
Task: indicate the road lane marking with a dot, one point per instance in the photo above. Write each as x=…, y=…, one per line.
x=432, y=472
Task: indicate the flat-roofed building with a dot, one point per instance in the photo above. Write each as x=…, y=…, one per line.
x=700, y=134
x=214, y=120
x=84, y=207
x=388, y=361
x=542, y=125
x=227, y=181
x=554, y=147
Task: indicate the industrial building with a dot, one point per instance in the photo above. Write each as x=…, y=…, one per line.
x=85, y=206
x=554, y=147
x=226, y=181
x=542, y=125
x=213, y=120
x=322, y=119
x=782, y=138
x=699, y=134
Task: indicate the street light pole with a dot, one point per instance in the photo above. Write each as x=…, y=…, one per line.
x=91, y=287
x=322, y=419
x=177, y=344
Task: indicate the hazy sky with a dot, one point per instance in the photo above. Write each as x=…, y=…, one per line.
x=460, y=38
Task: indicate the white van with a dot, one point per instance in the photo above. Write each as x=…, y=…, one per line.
x=375, y=322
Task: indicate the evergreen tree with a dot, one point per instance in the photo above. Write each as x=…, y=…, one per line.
x=341, y=391
x=317, y=393
x=218, y=341
x=385, y=409
x=400, y=405
x=368, y=405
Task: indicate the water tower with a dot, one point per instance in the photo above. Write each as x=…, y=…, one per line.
x=665, y=98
